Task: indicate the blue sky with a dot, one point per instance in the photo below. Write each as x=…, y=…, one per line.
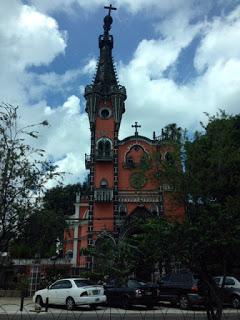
x=177, y=60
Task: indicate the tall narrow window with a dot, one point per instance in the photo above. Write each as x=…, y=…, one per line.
x=107, y=148
x=104, y=148
x=104, y=184
x=101, y=148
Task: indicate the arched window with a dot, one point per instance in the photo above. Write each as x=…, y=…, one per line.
x=107, y=148
x=104, y=148
x=129, y=162
x=154, y=209
x=135, y=156
x=69, y=255
x=122, y=210
x=104, y=184
x=101, y=148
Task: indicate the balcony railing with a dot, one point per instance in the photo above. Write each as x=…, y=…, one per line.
x=104, y=156
x=103, y=195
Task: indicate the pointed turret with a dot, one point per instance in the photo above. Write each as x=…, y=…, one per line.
x=105, y=87
x=105, y=75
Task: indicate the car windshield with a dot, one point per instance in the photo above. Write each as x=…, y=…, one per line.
x=135, y=283
x=166, y=277
x=217, y=280
x=82, y=283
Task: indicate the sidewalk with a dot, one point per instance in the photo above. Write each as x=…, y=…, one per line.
x=11, y=305
x=14, y=300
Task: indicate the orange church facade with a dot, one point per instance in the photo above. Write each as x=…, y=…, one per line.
x=118, y=186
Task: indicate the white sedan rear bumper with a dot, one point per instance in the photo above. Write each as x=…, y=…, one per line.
x=90, y=300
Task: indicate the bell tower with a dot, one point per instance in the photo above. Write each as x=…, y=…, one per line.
x=123, y=185
x=105, y=105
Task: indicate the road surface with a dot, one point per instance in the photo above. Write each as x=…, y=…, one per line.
x=10, y=310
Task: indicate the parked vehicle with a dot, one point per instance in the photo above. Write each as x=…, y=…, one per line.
x=230, y=290
x=229, y=282
x=181, y=288
x=71, y=293
x=133, y=292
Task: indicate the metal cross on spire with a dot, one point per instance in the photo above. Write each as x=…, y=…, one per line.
x=110, y=8
x=136, y=126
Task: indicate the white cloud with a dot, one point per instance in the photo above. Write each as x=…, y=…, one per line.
x=220, y=41
x=28, y=38
x=156, y=100
x=67, y=6
x=40, y=84
x=72, y=105
x=132, y=6
x=66, y=140
x=90, y=67
x=31, y=38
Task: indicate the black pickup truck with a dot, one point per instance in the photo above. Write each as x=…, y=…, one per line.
x=132, y=292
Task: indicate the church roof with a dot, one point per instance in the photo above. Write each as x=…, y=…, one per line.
x=137, y=138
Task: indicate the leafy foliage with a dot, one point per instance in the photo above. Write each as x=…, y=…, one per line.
x=213, y=190
x=207, y=241
x=40, y=235
x=23, y=174
x=45, y=229
x=62, y=198
x=113, y=256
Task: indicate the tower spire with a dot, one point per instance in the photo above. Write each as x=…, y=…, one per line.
x=105, y=87
x=105, y=69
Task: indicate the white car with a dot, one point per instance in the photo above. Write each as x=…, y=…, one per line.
x=230, y=282
x=71, y=292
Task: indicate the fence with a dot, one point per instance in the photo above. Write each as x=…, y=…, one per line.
x=24, y=308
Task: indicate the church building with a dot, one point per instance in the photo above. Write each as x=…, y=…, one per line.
x=120, y=188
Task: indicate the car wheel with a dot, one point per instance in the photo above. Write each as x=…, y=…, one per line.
x=183, y=302
x=173, y=303
x=39, y=301
x=235, y=302
x=125, y=302
x=70, y=303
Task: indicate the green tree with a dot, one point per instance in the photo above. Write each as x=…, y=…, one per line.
x=61, y=199
x=23, y=174
x=172, y=133
x=43, y=232
x=212, y=191
x=207, y=241
x=41, y=235
x=113, y=256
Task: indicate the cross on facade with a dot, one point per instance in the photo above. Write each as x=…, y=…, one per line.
x=110, y=8
x=136, y=126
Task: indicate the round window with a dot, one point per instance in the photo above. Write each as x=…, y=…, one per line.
x=105, y=113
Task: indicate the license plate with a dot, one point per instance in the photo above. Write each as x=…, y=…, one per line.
x=148, y=293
